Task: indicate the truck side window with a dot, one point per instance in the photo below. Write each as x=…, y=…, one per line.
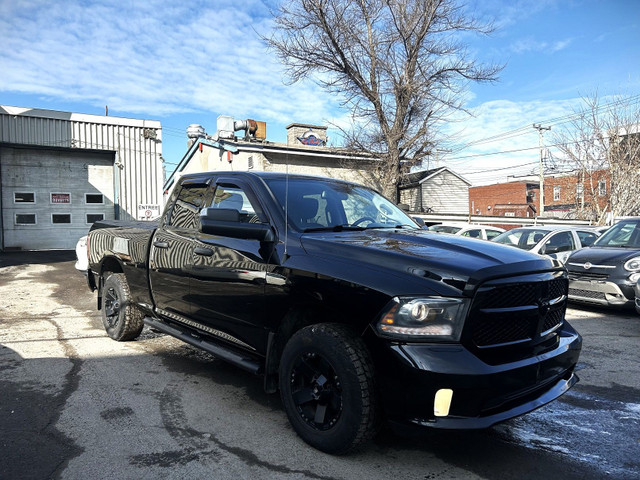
x=187, y=207
x=235, y=198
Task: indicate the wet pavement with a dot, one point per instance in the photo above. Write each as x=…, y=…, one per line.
x=75, y=404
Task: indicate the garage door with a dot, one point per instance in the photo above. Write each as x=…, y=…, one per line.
x=50, y=198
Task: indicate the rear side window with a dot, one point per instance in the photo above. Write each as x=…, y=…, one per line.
x=587, y=238
x=475, y=233
x=187, y=207
x=492, y=233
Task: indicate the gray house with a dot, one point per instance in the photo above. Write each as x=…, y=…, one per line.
x=439, y=190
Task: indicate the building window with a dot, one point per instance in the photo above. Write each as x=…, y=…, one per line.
x=94, y=217
x=25, y=218
x=602, y=188
x=94, y=198
x=57, y=218
x=556, y=193
x=60, y=198
x=24, y=197
x=580, y=191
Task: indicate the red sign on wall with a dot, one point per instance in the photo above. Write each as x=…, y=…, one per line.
x=60, y=198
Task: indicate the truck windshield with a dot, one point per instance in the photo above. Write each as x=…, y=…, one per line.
x=624, y=234
x=319, y=204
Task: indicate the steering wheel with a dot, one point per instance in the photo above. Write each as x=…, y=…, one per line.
x=363, y=219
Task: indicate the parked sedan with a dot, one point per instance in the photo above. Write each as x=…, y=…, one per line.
x=467, y=230
x=607, y=272
x=553, y=240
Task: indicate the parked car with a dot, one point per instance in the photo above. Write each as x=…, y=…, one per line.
x=467, y=230
x=556, y=241
x=607, y=272
x=82, y=262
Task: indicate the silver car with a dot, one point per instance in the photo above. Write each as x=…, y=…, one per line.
x=557, y=241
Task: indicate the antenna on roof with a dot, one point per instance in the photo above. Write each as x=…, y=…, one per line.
x=286, y=207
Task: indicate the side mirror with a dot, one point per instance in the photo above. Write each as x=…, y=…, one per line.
x=225, y=222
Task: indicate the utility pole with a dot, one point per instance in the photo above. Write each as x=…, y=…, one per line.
x=541, y=129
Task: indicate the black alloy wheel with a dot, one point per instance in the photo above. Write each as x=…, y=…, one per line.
x=327, y=386
x=121, y=318
x=316, y=391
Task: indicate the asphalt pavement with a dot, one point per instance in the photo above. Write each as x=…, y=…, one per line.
x=75, y=405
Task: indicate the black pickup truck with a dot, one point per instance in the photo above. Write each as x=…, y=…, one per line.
x=339, y=300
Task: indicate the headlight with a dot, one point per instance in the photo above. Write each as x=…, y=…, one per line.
x=424, y=318
x=633, y=278
x=633, y=265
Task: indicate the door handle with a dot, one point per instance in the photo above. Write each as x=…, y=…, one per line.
x=161, y=244
x=205, y=252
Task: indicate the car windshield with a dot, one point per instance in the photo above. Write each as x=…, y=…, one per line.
x=445, y=228
x=522, y=238
x=624, y=234
x=322, y=204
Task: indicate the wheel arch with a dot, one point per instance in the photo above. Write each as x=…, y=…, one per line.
x=108, y=265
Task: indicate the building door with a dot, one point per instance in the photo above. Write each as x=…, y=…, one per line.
x=51, y=197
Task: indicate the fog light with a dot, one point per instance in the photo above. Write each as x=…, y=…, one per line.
x=442, y=402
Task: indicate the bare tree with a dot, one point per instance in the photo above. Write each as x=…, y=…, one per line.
x=603, y=144
x=399, y=66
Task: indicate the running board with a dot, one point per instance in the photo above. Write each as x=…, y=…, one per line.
x=214, y=349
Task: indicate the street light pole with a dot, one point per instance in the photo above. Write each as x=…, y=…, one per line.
x=540, y=129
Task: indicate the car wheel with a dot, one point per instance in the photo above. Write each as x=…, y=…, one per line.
x=121, y=319
x=327, y=388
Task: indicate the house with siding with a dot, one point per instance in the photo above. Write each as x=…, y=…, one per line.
x=438, y=190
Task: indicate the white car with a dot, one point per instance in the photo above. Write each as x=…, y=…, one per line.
x=82, y=261
x=467, y=230
x=557, y=241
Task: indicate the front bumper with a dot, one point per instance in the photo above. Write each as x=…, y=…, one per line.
x=483, y=395
x=600, y=292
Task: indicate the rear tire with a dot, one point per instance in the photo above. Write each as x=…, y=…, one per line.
x=121, y=319
x=327, y=388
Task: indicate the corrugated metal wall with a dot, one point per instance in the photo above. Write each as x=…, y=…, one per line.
x=137, y=145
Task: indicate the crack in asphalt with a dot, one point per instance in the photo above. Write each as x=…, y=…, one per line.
x=196, y=443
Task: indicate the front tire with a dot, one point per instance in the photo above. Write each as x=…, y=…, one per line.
x=121, y=319
x=327, y=388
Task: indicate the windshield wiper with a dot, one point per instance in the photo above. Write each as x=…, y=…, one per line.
x=392, y=226
x=335, y=228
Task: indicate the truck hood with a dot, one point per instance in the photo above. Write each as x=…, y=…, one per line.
x=451, y=261
x=603, y=255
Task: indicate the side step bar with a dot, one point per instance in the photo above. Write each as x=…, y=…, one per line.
x=216, y=350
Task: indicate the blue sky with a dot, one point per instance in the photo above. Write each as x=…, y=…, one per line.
x=191, y=62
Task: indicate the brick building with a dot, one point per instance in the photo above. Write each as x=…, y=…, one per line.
x=511, y=199
x=571, y=194
x=576, y=193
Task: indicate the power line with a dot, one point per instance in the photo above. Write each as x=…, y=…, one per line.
x=635, y=99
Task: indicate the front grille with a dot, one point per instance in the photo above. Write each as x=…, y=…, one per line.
x=499, y=331
x=578, y=292
x=515, y=313
x=553, y=319
x=588, y=276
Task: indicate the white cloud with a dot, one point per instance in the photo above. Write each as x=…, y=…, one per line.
x=154, y=58
x=499, y=140
x=529, y=44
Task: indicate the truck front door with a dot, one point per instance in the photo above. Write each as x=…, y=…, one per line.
x=228, y=276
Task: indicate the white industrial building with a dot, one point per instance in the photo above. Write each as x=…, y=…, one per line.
x=62, y=171
x=304, y=153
